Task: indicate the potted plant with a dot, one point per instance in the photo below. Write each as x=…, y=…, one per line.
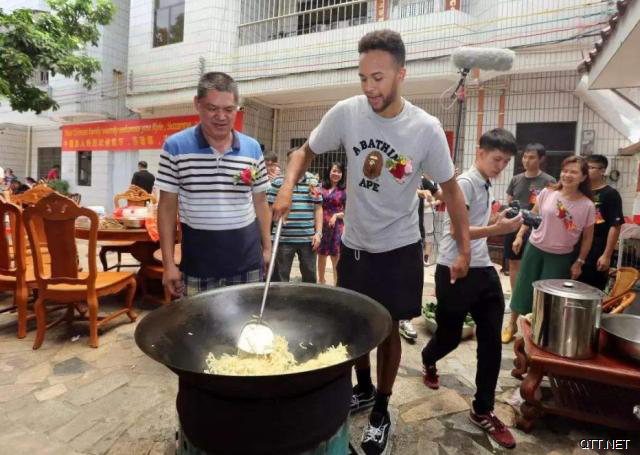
x=429, y=313
x=60, y=186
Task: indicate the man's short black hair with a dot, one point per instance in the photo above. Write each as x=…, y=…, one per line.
x=270, y=156
x=219, y=81
x=142, y=164
x=536, y=147
x=598, y=159
x=384, y=40
x=499, y=139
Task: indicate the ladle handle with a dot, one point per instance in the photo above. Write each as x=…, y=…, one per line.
x=276, y=241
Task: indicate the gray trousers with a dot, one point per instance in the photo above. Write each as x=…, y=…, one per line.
x=284, y=261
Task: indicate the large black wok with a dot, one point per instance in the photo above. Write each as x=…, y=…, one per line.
x=263, y=414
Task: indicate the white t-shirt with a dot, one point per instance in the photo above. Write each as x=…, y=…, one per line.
x=478, y=197
x=382, y=209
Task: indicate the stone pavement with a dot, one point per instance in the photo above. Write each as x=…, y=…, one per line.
x=67, y=398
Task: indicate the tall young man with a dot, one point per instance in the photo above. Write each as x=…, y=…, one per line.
x=523, y=188
x=389, y=144
x=609, y=219
x=215, y=177
x=480, y=292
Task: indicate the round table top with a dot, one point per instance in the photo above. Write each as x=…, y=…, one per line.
x=177, y=254
x=125, y=235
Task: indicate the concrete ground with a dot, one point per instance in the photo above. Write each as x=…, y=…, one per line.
x=67, y=398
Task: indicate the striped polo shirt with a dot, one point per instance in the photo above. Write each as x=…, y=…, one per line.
x=300, y=223
x=220, y=235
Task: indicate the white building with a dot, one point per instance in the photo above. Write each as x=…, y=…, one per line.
x=295, y=58
x=30, y=144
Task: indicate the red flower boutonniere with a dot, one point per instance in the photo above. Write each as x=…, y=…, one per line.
x=565, y=216
x=399, y=167
x=247, y=176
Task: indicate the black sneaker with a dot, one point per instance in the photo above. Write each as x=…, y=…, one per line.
x=375, y=439
x=362, y=400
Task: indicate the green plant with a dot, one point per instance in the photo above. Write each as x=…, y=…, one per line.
x=61, y=186
x=429, y=312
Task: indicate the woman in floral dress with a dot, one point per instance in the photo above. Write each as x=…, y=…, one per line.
x=334, y=197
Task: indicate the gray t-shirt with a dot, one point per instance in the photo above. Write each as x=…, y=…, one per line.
x=526, y=189
x=382, y=213
x=478, y=196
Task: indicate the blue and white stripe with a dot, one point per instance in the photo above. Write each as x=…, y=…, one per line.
x=209, y=196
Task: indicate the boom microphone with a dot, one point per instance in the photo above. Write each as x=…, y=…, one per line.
x=484, y=58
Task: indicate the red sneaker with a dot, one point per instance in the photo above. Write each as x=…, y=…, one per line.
x=430, y=377
x=494, y=428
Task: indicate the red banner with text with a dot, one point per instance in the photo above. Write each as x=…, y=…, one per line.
x=117, y=135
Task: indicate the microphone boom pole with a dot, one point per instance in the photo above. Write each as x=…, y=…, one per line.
x=458, y=95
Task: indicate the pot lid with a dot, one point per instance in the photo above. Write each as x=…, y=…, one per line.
x=569, y=288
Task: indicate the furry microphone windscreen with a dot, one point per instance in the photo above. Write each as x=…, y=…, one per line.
x=484, y=58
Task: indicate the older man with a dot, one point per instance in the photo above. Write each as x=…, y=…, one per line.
x=216, y=178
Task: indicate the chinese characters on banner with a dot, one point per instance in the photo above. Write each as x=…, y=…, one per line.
x=144, y=134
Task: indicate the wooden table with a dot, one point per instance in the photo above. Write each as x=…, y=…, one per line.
x=142, y=248
x=601, y=390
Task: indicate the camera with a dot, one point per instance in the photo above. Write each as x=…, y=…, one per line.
x=528, y=217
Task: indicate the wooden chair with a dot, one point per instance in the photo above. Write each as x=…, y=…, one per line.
x=621, y=295
x=32, y=196
x=15, y=275
x=133, y=196
x=64, y=284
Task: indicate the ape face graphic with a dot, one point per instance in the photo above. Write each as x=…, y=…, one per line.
x=373, y=165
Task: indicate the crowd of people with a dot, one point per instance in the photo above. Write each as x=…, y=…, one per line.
x=15, y=186
x=369, y=219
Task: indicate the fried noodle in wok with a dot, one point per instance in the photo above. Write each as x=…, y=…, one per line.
x=280, y=361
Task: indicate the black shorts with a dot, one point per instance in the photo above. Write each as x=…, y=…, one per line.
x=508, y=246
x=393, y=278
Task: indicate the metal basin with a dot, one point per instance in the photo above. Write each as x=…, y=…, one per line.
x=624, y=331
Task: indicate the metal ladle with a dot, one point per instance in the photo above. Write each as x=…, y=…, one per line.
x=256, y=337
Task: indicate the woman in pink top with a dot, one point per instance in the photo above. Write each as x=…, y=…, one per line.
x=567, y=213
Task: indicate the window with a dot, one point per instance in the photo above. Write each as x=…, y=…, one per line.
x=168, y=26
x=323, y=15
x=84, y=168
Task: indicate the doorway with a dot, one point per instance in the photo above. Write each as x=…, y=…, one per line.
x=47, y=157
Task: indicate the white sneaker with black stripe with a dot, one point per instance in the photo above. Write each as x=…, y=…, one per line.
x=377, y=434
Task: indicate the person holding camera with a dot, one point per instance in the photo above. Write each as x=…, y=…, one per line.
x=568, y=214
x=480, y=292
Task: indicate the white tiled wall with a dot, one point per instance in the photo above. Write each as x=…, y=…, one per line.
x=210, y=33
x=49, y=136
x=13, y=149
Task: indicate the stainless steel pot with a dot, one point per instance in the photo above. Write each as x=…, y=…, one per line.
x=566, y=317
x=624, y=331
